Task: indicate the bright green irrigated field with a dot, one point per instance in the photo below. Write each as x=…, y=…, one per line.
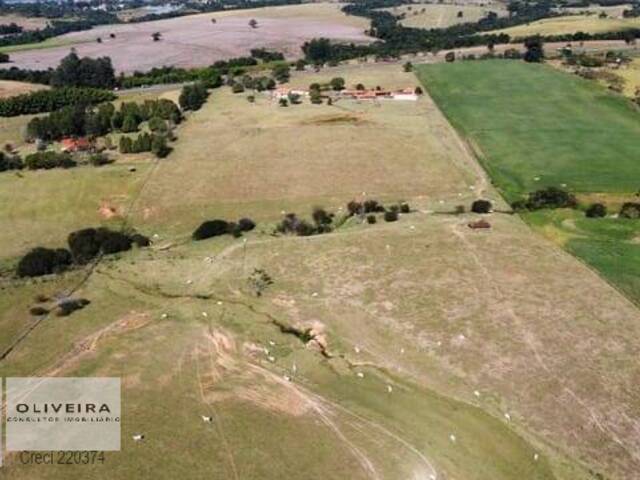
x=611, y=246
x=534, y=126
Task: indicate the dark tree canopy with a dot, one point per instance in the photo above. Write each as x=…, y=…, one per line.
x=74, y=71
x=534, y=50
x=43, y=261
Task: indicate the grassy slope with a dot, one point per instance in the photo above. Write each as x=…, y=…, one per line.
x=561, y=129
x=417, y=285
x=532, y=121
x=571, y=24
x=264, y=159
x=163, y=363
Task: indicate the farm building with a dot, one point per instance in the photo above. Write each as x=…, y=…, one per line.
x=75, y=144
x=404, y=94
x=284, y=92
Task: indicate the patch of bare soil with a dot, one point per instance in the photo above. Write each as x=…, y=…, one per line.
x=108, y=211
x=223, y=375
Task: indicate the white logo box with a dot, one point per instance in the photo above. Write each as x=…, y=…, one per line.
x=71, y=414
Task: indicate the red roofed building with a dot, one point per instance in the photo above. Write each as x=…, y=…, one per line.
x=75, y=144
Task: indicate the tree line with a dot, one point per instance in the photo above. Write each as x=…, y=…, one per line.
x=56, y=28
x=81, y=120
x=395, y=39
x=50, y=100
x=10, y=28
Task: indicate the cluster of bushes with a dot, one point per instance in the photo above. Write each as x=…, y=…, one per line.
x=52, y=30
x=259, y=84
x=266, y=55
x=215, y=228
x=281, y=72
x=630, y=210
x=373, y=206
x=583, y=60
x=209, y=76
x=48, y=160
x=550, y=197
x=84, y=246
x=193, y=96
x=44, y=261
x=78, y=120
x=10, y=162
x=508, y=54
x=10, y=28
x=29, y=76
x=50, y=100
x=62, y=308
x=336, y=84
x=88, y=243
x=233, y=64
x=145, y=142
x=321, y=223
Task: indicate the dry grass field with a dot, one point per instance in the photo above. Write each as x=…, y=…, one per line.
x=631, y=75
x=10, y=88
x=446, y=349
x=441, y=15
x=571, y=24
x=263, y=158
x=28, y=23
x=193, y=41
x=614, y=11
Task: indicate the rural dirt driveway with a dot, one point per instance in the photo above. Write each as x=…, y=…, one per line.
x=191, y=41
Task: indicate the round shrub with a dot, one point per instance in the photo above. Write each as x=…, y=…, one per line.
x=373, y=206
x=630, y=210
x=38, y=311
x=87, y=243
x=391, y=216
x=70, y=305
x=371, y=219
x=43, y=261
x=550, y=197
x=246, y=224
x=405, y=208
x=84, y=245
x=112, y=242
x=210, y=228
x=354, y=208
x=596, y=210
x=140, y=240
x=481, y=206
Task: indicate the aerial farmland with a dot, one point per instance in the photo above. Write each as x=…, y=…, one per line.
x=317, y=241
